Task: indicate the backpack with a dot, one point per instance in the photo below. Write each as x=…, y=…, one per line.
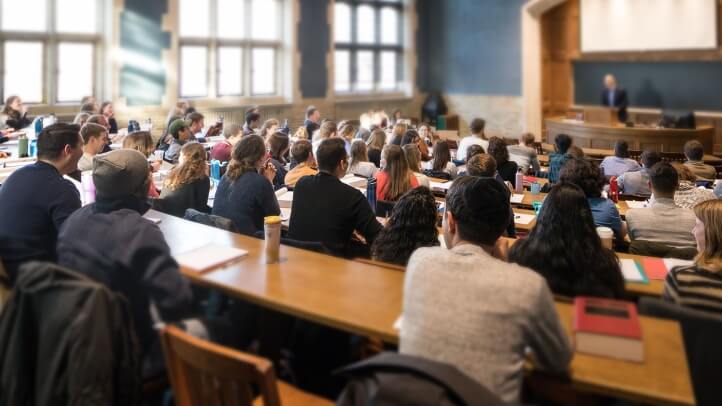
x=396, y=379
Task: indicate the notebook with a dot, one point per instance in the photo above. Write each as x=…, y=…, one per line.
x=524, y=219
x=632, y=272
x=209, y=257
x=517, y=198
x=633, y=204
x=440, y=186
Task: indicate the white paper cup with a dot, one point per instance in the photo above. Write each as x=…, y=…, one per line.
x=606, y=235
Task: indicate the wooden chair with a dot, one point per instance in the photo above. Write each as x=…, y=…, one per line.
x=203, y=373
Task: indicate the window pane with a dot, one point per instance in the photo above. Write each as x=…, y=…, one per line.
x=388, y=70
x=76, y=16
x=194, y=71
x=264, y=19
x=366, y=24
x=342, y=22
x=342, y=70
x=75, y=71
x=193, y=18
x=24, y=70
x=389, y=26
x=230, y=19
x=264, y=71
x=229, y=71
x=24, y=15
x=365, y=70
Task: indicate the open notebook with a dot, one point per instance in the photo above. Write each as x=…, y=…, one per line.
x=210, y=256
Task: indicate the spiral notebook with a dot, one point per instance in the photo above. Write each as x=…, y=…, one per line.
x=209, y=257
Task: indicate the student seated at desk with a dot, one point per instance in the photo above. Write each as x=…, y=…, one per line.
x=180, y=135
x=142, y=142
x=700, y=285
x=375, y=145
x=637, y=182
x=36, y=200
x=524, y=154
x=688, y=194
x=507, y=169
x=619, y=163
x=589, y=178
x=477, y=137
x=278, y=144
x=245, y=193
x=187, y=185
x=302, y=153
x=412, y=225
x=397, y=134
x=358, y=163
x=110, y=242
x=413, y=158
x=395, y=178
x=559, y=157
x=327, y=210
x=221, y=152
x=694, y=151
x=268, y=128
x=94, y=141
x=663, y=222
x=565, y=249
x=327, y=130
x=464, y=306
x=14, y=114
x=484, y=165
x=441, y=163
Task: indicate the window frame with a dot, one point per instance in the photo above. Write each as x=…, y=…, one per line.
x=213, y=43
x=353, y=47
x=51, y=40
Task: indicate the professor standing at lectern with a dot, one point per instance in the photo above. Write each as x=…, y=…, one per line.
x=615, y=96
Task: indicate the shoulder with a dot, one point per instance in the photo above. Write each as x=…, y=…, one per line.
x=427, y=257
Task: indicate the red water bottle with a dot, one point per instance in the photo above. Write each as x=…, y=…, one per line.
x=613, y=189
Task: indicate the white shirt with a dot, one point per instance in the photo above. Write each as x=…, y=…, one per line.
x=466, y=142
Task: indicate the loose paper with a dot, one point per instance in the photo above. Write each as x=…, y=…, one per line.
x=517, y=198
x=631, y=271
x=209, y=256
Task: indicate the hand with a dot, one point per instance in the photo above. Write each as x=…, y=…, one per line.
x=269, y=171
x=155, y=166
x=3, y=155
x=501, y=249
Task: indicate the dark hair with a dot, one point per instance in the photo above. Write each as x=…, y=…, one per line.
x=232, y=130
x=481, y=165
x=278, y=143
x=442, y=155
x=410, y=137
x=251, y=117
x=330, y=152
x=563, y=142
x=497, y=148
x=194, y=117
x=104, y=105
x=301, y=150
x=527, y=138
x=97, y=119
x=477, y=126
x=246, y=154
x=53, y=139
x=412, y=225
x=650, y=157
x=480, y=207
x=310, y=110
x=92, y=130
x=566, y=250
x=474, y=149
x=664, y=178
x=694, y=150
x=621, y=149
x=584, y=174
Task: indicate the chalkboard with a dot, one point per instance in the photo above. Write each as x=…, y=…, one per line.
x=681, y=86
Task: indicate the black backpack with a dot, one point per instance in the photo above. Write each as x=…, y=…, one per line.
x=395, y=379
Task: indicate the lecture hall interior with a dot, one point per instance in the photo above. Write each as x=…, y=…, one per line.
x=360, y=202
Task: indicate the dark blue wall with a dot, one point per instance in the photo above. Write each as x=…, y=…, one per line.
x=470, y=46
x=313, y=44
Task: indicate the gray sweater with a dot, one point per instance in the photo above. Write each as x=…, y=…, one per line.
x=468, y=309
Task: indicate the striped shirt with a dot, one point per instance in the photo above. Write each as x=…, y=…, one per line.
x=694, y=287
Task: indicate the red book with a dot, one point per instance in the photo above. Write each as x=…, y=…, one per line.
x=608, y=328
x=655, y=268
x=529, y=179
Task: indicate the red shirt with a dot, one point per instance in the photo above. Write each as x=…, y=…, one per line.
x=221, y=151
x=382, y=179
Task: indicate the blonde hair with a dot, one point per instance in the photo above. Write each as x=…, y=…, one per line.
x=193, y=167
x=400, y=129
x=397, y=169
x=413, y=157
x=140, y=141
x=710, y=214
x=301, y=133
x=377, y=140
x=359, y=153
x=346, y=132
x=327, y=130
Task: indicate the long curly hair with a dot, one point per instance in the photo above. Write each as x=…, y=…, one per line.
x=192, y=168
x=412, y=225
x=497, y=149
x=564, y=247
x=246, y=154
x=584, y=174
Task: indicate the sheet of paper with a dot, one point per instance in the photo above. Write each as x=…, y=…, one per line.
x=633, y=204
x=285, y=214
x=524, y=219
x=440, y=186
x=672, y=262
x=354, y=181
x=630, y=271
x=285, y=200
x=517, y=198
x=209, y=256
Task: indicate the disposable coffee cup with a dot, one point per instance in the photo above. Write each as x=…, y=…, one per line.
x=606, y=235
x=535, y=188
x=272, y=229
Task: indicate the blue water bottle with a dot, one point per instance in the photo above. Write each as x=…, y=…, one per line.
x=38, y=125
x=371, y=193
x=216, y=170
x=33, y=148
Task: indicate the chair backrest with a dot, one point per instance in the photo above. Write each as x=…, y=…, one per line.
x=203, y=373
x=655, y=249
x=209, y=220
x=437, y=174
x=702, y=332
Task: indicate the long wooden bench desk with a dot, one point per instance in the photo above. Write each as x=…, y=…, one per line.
x=366, y=299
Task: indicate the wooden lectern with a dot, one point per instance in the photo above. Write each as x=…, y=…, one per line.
x=601, y=115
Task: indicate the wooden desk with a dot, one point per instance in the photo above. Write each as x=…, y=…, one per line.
x=366, y=299
x=600, y=153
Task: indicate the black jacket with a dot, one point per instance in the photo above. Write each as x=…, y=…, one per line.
x=193, y=195
x=66, y=340
x=620, y=101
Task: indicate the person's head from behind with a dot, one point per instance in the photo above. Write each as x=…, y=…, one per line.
x=140, y=141
x=621, y=149
x=233, y=133
x=121, y=175
x=100, y=120
x=248, y=155
x=575, y=152
x=399, y=130
x=562, y=142
x=180, y=131
x=81, y=118
x=331, y=157
x=327, y=130
x=302, y=153
x=278, y=143
x=377, y=140
x=413, y=157
x=90, y=108
x=312, y=114
x=610, y=82
x=301, y=133
x=397, y=169
x=584, y=174
x=252, y=120
x=94, y=137
x=708, y=234
x=196, y=122
x=411, y=137
x=650, y=157
x=359, y=153
x=346, y=131
x=88, y=99
x=483, y=165
x=477, y=212
x=663, y=180
x=566, y=212
x=268, y=128
x=694, y=150
x=498, y=149
x=477, y=127
x=13, y=106
x=442, y=156
x=61, y=146
x=527, y=139
x=473, y=150
x=191, y=166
